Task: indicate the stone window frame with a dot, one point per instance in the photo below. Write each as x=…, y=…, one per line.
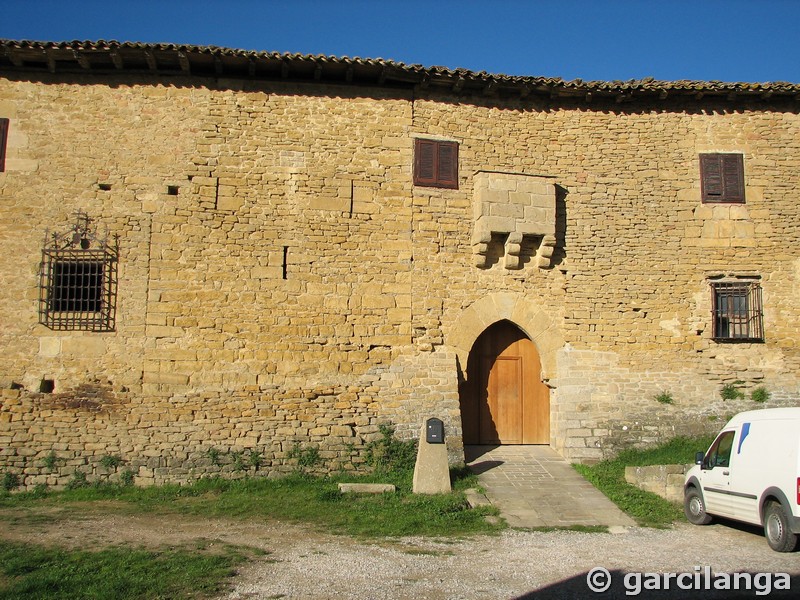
x=436, y=163
x=737, y=310
x=722, y=178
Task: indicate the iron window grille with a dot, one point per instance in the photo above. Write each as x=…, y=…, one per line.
x=737, y=311
x=78, y=279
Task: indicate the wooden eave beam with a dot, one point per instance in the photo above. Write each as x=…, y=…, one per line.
x=284, y=69
x=318, y=71
x=183, y=61
x=490, y=88
x=383, y=74
x=117, y=59
x=82, y=60
x=251, y=67
x=51, y=61
x=219, y=67
x=13, y=57
x=152, y=63
x=348, y=75
x=459, y=85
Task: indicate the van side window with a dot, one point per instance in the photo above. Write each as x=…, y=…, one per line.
x=720, y=453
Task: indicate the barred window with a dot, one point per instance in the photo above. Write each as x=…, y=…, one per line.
x=738, y=313
x=78, y=281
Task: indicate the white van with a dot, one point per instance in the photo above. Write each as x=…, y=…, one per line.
x=751, y=473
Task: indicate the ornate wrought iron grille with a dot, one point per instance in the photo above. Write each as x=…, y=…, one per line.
x=738, y=311
x=78, y=279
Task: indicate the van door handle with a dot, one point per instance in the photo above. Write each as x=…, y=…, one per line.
x=726, y=472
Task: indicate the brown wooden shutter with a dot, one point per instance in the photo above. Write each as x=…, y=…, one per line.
x=733, y=177
x=436, y=163
x=3, y=140
x=722, y=177
x=448, y=165
x=710, y=177
x=425, y=162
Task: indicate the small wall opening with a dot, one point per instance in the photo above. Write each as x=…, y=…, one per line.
x=47, y=386
x=172, y=190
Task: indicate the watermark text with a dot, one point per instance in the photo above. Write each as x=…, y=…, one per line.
x=599, y=580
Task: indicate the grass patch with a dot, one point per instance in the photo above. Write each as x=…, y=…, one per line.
x=31, y=572
x=646, y=508
x=295, y=498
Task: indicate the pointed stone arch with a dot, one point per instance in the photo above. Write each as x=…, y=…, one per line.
x=532, y=319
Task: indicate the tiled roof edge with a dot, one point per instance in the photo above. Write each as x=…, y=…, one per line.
x=37, y=55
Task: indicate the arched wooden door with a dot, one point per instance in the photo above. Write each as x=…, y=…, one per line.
x=504, y=400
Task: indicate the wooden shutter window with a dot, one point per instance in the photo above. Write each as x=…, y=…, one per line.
x=436, y=163
x=3, y=140
x=722, y=178
x=448, y=165
x=425, y=162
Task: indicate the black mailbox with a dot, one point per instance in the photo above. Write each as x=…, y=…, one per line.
x=434, y=431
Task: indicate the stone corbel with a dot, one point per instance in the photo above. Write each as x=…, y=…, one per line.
x=544, y=256
x=515, y=206
x=511, y=260
x=480, y=247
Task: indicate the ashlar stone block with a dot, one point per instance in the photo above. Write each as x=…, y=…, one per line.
x=513, y=205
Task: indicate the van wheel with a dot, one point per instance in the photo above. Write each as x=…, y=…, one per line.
x=694, y=507
x=776, y=529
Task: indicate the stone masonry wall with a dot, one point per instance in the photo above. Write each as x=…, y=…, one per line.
x=635, y=249
x=282, y=282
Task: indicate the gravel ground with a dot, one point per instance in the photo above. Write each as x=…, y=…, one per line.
x=302, y=563
x=516, y=564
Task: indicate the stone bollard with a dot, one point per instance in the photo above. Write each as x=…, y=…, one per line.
x=431, y=471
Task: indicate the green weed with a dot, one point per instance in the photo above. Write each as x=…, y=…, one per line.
x=78, y=481
x=214, y=456
x=255, y=459
x=126, y=478
x=646, y=508
x=760, y=394
x=50, y=461
x=237, y=461
x=11, y=481
x=664, y=398
x=307, y=458
x=110, y=461
x=387, y=453
x=731, y=391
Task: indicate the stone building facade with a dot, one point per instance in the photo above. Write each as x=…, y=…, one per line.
x=214, y=258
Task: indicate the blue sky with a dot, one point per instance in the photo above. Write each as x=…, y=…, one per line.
x=725, y=40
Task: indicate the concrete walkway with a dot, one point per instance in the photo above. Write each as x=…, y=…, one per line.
x=533, y=486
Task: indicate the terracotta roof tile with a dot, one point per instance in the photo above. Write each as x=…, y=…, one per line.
x=102, y=55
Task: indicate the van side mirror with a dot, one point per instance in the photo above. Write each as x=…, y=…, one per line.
x=698, y=458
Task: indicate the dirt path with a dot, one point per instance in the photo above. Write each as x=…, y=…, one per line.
x=303, y=564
